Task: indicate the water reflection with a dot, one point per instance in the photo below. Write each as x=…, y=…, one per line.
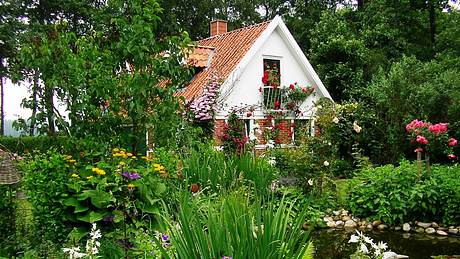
x=331, y=244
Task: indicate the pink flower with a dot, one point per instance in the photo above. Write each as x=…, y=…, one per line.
x=452, y=142
x=418, y=150
x=451, y=156
x=249, y=114
x=277, y=105
x=409, y=127
x=422, y=140
x=438, y=128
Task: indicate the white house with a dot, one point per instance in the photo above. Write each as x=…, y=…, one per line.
x=241, y=57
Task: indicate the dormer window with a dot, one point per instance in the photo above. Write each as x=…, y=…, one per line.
x=272, y=81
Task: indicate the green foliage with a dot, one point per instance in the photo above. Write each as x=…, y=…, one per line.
x=45, y=184
x=339, y=56
x=8, y=222
x=215, y=170
x=413, y=89
x=393, y=194
x=235, y=227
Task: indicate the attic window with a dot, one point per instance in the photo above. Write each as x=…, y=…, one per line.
x=272, y=80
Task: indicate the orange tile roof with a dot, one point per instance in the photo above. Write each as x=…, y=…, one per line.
x=200, y=56
x=229, y=48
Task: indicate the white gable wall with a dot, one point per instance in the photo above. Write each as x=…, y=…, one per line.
x=245, y=90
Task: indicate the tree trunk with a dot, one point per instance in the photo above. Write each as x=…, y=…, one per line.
x=34, y=103
x=419, y=165
x=49, y=105
x=2, y=103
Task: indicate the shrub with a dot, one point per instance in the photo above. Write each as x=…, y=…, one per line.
x=393, y=194
x=8, y=222
x=45, y=183
x=115, y=189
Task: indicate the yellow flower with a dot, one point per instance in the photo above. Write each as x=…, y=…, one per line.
x=122, y=163
x=89, y=177
x=115, y=150
x=72, y=161
x=98, y=171
x=129, y=154
x=134, y=157
x=68, y=157
x=75, y=176
x=131, y=186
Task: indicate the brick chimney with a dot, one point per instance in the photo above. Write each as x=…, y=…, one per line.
x=218, y=27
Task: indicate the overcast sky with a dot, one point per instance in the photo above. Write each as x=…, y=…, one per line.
x=13, y=95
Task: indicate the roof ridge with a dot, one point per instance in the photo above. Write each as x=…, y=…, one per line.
x=237, y=30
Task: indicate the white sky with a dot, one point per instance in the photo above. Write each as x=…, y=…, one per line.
x=13, y=95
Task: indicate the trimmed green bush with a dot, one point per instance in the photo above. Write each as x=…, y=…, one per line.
x=394, y=195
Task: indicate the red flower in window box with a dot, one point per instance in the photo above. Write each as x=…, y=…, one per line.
x=277, y=105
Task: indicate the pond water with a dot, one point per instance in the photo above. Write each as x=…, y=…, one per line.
x=331, y=244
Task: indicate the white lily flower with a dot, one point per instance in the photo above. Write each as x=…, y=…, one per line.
x=326, y=163
x=353, y=239
x=363, y=249
x=310, y=182
x=335, y=120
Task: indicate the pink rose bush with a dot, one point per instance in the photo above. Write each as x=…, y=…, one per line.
x=431, y=137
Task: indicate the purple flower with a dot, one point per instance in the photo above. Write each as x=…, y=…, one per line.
x=131, y=176
x=109, y=218
x=164, y=237
x=227, y=257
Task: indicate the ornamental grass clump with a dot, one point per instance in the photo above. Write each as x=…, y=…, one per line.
x=236, y=228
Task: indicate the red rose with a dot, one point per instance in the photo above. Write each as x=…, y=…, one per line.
x=291, y=86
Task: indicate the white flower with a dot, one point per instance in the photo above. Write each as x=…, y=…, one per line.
x=356, y=127
x=326, y=163
x=219, y=148
x=319, y=107
x=353, y=239
x=252, y=137
x=274, y=186
x=363, y=249
x=335, y=120
x=368, y=240
x=272, y=161
x=74, y=252
x=381, y=245
x=310, y=182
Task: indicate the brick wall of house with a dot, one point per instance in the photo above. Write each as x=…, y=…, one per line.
x=219, y=127
x=285, y=128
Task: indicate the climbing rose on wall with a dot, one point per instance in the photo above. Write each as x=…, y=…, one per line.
x=204, y=107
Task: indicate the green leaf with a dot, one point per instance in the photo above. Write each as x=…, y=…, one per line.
x=91, y=217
